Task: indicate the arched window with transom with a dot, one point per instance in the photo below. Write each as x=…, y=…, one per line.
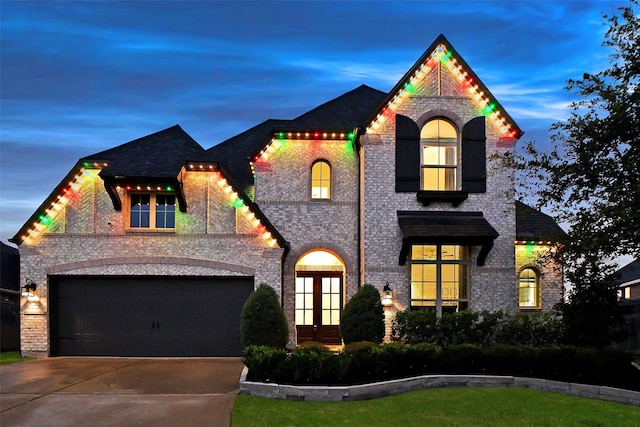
x=439, y=156
x=529, y=288
x=321, y=180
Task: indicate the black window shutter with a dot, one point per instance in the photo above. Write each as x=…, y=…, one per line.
x=407, y=155
x=474, y=156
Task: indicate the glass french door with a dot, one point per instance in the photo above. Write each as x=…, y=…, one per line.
x=318, y=306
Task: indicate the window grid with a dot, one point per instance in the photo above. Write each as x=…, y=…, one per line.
x=304, y=300
x=439, y=156
x=152, y=211
x=438, y=277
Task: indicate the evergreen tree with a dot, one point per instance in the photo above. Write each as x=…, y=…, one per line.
x=263, y=321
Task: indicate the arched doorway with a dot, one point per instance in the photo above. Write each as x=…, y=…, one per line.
x=319, y=297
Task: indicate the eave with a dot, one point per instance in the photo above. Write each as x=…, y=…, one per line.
x=56, y=201
x=441, y=50
x=250, y=210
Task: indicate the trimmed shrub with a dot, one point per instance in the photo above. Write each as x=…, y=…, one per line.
x=263, y=362
x=483, y=328
x=366, y=362
x=363, y=317
x=415, y=326
x=540, y=329
x=263, y=321
x=312, y=363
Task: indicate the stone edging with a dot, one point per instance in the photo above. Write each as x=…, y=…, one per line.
x=389, y=388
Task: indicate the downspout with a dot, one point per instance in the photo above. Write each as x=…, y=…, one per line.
x=356, y=140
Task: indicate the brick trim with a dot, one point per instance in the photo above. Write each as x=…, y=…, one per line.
x=191, y=262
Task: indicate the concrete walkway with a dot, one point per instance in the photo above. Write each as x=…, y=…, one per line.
x=119, y=392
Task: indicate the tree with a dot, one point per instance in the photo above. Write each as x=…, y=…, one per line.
x=591, y=178
x=263, y=321
x=363, y=317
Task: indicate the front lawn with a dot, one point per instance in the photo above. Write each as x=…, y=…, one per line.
x=11, y=357
x=445, y=406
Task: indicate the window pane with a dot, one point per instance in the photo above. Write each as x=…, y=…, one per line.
x=450, y=252
x=308, y=317
x=326, y=285
x=299, y=284
x=165, y=211
x=424, y=252
x=326, y=301
x=139, y=212
x=335, y=285
x=335, y=317
x=308, y=284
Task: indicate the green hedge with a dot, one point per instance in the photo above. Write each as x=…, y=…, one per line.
x=366, y=362
x=484, y=328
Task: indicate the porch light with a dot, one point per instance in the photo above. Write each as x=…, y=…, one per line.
x=28, y=290
x=387, y=299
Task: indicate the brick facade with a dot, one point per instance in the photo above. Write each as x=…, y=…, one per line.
x=358, y=223
x=95, y=241
x=491, y=287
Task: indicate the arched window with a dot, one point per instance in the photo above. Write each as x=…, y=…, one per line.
x=528, y=288
x=321, y=180
x=438, y=156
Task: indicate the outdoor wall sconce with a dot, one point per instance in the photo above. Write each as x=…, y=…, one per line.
x=387, y=299
x=28, y=290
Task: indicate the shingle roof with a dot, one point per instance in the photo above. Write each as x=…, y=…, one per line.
x=233, y=154
x=531, y=224
x=347, y=112
x=161, y=154
x=628, y=273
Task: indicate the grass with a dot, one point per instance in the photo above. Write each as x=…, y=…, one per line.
x=11, y=357
x=476, y=407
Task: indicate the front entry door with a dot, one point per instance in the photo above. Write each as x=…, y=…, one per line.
x=318, y=306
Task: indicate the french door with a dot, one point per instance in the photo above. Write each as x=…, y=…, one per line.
x=318, y=306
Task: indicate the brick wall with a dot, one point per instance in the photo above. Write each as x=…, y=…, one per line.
x=89, y=237
x=283, y=192
x=491, y=287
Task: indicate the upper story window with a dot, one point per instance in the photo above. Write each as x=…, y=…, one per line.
x=152, y=211
x=321, y=180
x=438, y=156
x=528, y=288
x=439, y=161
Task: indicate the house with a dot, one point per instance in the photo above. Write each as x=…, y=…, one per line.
x=9, y=298
x=628, y=280
x=152, y=247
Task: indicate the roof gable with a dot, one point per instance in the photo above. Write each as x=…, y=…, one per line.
x=533, y=225
x=441, y=51
x=161, y=154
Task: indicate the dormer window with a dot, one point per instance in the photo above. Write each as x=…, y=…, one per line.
x=321, y=180
x=152, y=211
x=438, y=156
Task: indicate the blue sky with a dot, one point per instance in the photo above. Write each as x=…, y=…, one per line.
x=81, y=77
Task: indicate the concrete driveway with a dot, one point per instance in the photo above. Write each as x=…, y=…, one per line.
x=119, y=392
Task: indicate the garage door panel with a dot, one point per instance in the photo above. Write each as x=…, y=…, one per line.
x=147, y=316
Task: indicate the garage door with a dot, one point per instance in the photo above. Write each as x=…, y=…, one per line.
x=147, y=316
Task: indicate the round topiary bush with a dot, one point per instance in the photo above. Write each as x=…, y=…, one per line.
x=363, y=317
x=263, y=321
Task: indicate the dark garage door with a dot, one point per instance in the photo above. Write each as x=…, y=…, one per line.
x=147, y=316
